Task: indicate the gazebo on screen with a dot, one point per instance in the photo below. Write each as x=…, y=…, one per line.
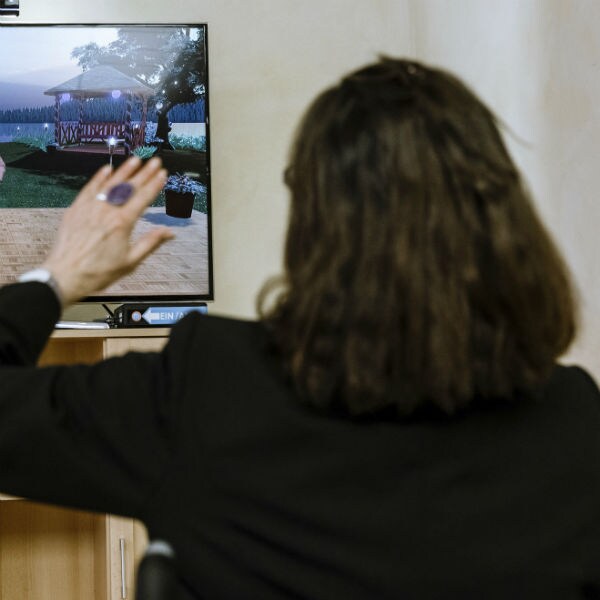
x=101, y=82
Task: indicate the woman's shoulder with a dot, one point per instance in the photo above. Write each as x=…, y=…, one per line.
x=572, y=377
x=219, y=332
x=220, y=323
x=572, y=388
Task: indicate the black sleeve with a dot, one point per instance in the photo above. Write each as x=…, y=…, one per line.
x=95, y=437
x=28, y=313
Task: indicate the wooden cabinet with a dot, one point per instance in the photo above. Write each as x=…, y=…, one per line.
x=47, y=553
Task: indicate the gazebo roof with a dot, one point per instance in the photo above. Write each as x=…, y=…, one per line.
x=99, y=81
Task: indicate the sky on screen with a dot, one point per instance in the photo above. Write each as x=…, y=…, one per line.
x=36, y=57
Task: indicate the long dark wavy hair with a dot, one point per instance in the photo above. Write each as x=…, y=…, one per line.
x=416, y=270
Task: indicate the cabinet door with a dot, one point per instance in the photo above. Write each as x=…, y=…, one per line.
x=67, y=351
x=117, y=346
x=120, y=546
x=126, y=538
x=48, y=553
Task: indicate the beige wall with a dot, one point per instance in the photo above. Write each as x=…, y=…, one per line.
x=534, y=61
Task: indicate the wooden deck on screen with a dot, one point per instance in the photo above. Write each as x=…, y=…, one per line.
x=179, y=267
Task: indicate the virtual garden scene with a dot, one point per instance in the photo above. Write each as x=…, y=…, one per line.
x=75, y=98
x=104, y=93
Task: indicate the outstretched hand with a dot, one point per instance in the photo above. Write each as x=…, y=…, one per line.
x=93, y=247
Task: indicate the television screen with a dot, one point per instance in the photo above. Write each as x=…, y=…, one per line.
x=75, y=97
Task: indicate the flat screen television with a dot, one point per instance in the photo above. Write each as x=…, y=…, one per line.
x=74, y=97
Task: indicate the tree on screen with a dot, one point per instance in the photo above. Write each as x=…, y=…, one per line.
x=170, y=60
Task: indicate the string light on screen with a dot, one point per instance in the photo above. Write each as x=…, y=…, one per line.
x=112, y=142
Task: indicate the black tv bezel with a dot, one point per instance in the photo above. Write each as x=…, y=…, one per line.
x=150, y=298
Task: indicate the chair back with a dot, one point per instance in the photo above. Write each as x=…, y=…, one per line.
x=157, y=578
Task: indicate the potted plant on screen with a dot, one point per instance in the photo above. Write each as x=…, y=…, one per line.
x=179, y=195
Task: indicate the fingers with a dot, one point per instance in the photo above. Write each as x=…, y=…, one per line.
x=149, y=186
x=104, y=179
x=134, y=172
x=145, y=173
x=147, y=182
x=125, y=171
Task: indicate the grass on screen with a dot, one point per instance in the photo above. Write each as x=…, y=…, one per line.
x=38, y=179
x=26, y=183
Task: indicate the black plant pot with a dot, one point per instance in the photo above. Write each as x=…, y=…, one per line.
x=179, y=205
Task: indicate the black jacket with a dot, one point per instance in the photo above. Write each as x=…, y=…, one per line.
x=262, y=498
